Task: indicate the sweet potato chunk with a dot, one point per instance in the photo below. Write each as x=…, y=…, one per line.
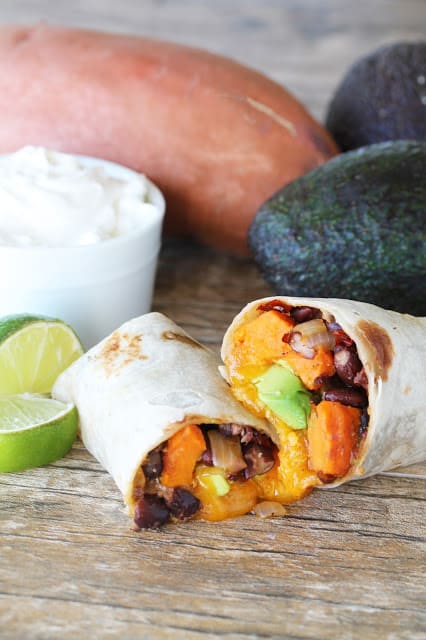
x=332, y=435
x=310, y=370
x=260, y=341
x=181, y=454
x=241, y=499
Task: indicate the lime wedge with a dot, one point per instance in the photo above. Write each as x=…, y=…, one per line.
x=34, y=431
x=34, y=350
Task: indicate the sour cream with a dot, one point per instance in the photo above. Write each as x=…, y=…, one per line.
x=79, y=240
x=52, y=199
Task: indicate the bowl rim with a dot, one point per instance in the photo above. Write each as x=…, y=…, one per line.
x=157, y=217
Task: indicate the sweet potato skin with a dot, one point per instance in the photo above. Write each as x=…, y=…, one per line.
x=217, y=137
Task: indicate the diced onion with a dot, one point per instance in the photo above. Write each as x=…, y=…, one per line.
x=324, y=340
x=226, y=452
x=310, y=336
x=297, y=344
x=269, y=509
x=311, y=327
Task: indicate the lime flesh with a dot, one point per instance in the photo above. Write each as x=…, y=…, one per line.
x=33, y=352
x=34, y=431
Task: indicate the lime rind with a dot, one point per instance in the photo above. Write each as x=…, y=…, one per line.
x=34, y=430
x=39, y=443
x=19, y=412
x=34, y=350
x=12, y=323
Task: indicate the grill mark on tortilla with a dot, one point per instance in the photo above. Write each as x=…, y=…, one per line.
x=119, y=350
x=171, y=335
x=381, y=345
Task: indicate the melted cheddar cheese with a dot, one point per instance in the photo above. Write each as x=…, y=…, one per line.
x=255, y=348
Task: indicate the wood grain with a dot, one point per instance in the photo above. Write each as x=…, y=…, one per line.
x=347, y=563
x=70, y=562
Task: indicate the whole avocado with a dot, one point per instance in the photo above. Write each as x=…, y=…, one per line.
x=382, y=97
x=353, y=228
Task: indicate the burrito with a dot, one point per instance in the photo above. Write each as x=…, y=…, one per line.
x=156, y=413
x=342, y=382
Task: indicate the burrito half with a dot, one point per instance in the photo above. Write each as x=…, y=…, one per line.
x=342, y=382
x=157, y=414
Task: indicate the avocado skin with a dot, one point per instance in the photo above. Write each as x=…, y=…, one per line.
x=353, y=228
x=382, y=97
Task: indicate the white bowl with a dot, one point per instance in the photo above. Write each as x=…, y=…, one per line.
x=94, y=288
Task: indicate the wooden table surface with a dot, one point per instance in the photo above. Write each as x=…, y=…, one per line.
x=347, y=563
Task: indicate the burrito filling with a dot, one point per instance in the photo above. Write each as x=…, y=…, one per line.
x=298, y=369
x=209, y=471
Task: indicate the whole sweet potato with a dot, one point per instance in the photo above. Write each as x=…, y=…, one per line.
x=218, y=138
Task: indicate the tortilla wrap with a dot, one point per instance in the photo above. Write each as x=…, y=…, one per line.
x=141, y=385
x=392, y=349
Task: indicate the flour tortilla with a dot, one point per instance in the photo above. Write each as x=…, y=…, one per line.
x=392, y=348
x=138, y=387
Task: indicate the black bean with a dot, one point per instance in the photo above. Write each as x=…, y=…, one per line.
x=323, y=380
x=303, y=314
x=239, y=475
x=263, y=440
x=207, y=457
x=347, y=364
x=182, y=504
x=315, y=397
x=248, y=435
x=341, y=338
x=231, y=429
x=259, y=458
x=153, y=465
x=364, y=423
x=151, y=512
x=361, y=379
x=348, y=396
x=245, y=433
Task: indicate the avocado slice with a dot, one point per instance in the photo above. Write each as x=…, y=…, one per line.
x=282, y=391
x=353, y=228
x=382, y=97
